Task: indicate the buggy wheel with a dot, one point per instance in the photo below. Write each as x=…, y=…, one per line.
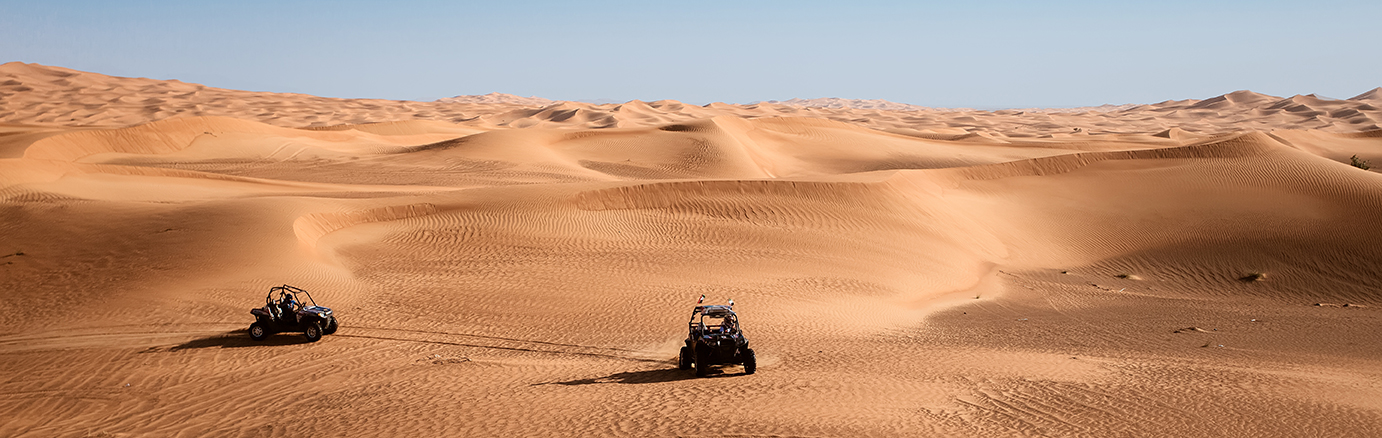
x=750, y=362
x=684, y=360
x=331, y=326
x=258, y=332
x=313, y=333
x=702, y=362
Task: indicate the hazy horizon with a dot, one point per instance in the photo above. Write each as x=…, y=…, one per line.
x=991, y=56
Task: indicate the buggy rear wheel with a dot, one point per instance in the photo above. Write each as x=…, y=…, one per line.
x=685, y=359
x=313, y=333
x=258, y=332
x=750, y=362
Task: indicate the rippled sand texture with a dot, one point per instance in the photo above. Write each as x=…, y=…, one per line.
x=503, y=270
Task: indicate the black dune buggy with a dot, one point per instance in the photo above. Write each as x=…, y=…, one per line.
x=715, y=339
x=285, y=310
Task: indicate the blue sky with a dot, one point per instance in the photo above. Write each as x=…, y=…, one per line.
x=994, y=54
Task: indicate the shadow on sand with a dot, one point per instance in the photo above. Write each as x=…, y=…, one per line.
x=500, y=347
x=239, y=338
x=648, y=376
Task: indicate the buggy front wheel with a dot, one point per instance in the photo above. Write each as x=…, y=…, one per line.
x=750, y=362
x=702, y=362
x=685, y=359
x=331, y=326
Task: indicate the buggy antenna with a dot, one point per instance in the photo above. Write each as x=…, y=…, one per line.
x=702, y=300
x=731, y=302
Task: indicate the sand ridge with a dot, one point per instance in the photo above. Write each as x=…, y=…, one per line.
x=511, y=270
x=37, y=94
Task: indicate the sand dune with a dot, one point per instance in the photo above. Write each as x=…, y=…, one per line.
x=838, y=103
x=1371, y=97
x=41, y=95
x=1188, y=268
x=498, y=98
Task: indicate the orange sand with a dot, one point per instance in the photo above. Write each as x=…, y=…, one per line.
x=510, y=270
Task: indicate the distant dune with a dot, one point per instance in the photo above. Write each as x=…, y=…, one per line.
x=838, y=103
x=55, y=96
x=498, y=98
x=507, y=266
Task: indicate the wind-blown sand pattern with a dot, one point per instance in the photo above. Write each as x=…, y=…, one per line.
x=1190, y=268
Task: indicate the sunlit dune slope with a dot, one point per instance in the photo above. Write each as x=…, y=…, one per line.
x=916, y=217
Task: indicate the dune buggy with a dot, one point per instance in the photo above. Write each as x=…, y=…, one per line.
x=715, y=338
x=290, y=309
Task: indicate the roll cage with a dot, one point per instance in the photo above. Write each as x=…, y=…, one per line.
x=286, y=291
x=721, y=319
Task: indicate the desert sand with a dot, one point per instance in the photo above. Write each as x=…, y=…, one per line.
x=508, y=266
